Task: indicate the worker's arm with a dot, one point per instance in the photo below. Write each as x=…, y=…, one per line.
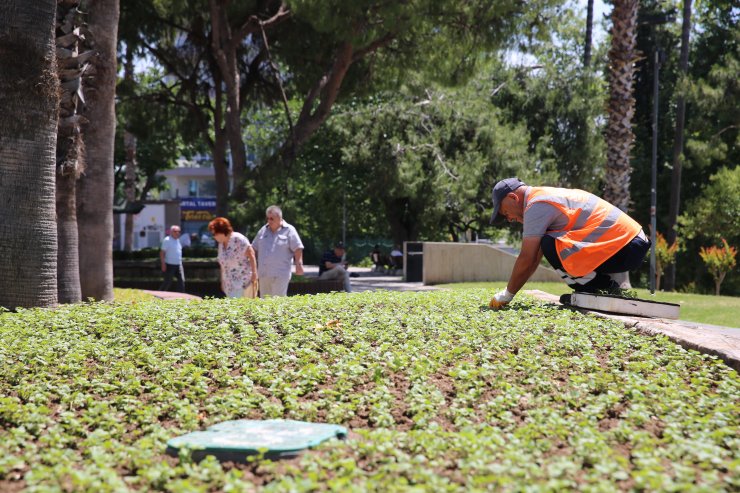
x=161, y=258
x=525, y=265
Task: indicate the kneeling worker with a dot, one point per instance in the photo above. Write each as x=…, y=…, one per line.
x=583, y=237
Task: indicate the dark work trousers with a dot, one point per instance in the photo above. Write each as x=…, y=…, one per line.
x=628, y=258
x=177, y=272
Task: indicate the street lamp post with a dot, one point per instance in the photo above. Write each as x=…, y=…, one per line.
x=657, y=58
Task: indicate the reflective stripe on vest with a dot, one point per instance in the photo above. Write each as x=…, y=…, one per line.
x=596, y=230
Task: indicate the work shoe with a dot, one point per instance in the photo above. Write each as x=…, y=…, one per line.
x=610, y=288
x=565, y=299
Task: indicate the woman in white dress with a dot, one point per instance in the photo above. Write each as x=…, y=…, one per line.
x=236, y=259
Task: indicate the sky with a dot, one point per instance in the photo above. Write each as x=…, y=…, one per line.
x=600, y=10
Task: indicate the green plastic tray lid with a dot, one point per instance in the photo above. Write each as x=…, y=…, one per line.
x=250, y=436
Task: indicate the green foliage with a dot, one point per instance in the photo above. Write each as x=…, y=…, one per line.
x=153, y=253
x=711, y=134
x=163, y=133
x=715, y=211
x=700, y=308
x=441, y=38
x=665, y=255
x=560, y=102
x=719, y=261
x=418, y=164
x=440, y=394
x=123, y=295
x=709, y=216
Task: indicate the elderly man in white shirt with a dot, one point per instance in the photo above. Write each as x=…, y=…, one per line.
x=170, y=255
x=276, y=244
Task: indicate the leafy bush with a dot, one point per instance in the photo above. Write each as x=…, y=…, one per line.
x=439, y=393
x=665, y=255
x=153, y=253
x=719, y=261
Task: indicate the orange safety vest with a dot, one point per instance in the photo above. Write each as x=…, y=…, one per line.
x=596, y=230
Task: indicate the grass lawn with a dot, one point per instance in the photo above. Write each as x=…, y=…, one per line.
x=701, y=308
x=125, y=295
x=439, y=393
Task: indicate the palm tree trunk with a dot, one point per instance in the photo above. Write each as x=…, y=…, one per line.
x=95, y=188
x=29, y=90
x=71, y=67
x=677, y=161
x=621, y=107
x=68, y=263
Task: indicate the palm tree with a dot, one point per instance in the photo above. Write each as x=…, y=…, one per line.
x=95, y=187
x=621, y=107
x=70, y=150
x=28, y=124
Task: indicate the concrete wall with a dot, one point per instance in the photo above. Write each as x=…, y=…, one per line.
x=471, y=262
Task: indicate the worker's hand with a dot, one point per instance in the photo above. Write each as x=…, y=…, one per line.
x=501, y=299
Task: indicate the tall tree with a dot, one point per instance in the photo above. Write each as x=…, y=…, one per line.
x=621, y=106
x=226, y=43
x=129, y=144
x=209, y=68
x=677, y=158
x=72, y=63
x=95, y=187
x=589, y=33
x=29, y=98
x=357, y=43
x=326, y=49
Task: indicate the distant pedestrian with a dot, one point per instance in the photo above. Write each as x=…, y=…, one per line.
x=276, y=244
x=170, y=256
x=333, y=266
x=236, y=259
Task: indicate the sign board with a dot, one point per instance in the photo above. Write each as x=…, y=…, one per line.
x=197, y=209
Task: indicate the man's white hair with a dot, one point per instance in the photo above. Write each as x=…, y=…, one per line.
x=273, y=209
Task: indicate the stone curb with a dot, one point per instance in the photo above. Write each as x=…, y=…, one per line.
x=723, y=342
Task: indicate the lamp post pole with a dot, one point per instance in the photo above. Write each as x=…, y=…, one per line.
x=653, y=20
x=657, y=55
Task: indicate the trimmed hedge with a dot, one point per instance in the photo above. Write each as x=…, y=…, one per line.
x=153, y=253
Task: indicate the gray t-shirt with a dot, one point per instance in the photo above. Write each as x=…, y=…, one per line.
x=275, y=250
x=541, y=217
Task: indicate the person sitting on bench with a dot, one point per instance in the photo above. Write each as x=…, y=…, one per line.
x=380, y=261
x=397, y=258
x=333, y=266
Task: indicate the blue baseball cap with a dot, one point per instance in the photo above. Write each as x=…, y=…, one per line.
x=500, y=191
